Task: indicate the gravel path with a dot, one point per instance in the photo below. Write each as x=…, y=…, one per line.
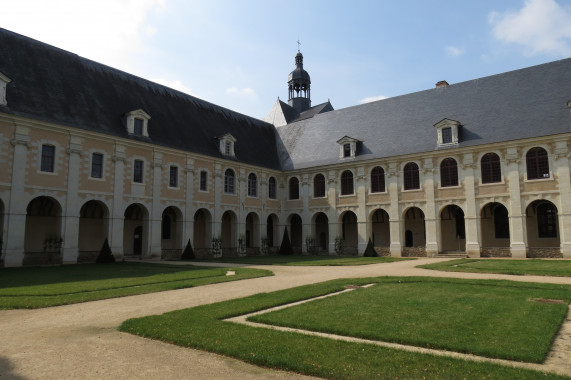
x=81, y=341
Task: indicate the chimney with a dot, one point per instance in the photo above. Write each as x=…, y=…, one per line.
x=441, y=83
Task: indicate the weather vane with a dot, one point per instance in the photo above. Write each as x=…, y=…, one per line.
x=298, y=44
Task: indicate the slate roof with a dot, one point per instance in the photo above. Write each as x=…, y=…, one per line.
x=53, y=85
x=520, y=104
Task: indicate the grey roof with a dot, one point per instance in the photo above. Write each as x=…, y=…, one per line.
x=315, y=110
x=525, y=103
x=53, y=85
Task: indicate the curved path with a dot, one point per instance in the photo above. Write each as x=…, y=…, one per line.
x=81, y=340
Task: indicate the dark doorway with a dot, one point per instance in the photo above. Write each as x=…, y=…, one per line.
x=138, y=240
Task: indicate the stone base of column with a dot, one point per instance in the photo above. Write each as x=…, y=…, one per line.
x=473, y=249
x=396, y=250
x=518, y=251
x=431, y=249
x=566, y=250
x=69, y=255
x=13, y=258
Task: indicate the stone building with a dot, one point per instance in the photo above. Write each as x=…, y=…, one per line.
x=89, y=153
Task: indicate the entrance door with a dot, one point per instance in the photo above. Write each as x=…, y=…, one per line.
x=138, y=240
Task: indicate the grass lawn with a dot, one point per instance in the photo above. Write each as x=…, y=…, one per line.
x=306, y=260
x=203, y=328
x=536, y=267
x=29, y=288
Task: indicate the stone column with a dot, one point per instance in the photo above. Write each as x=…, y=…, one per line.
x=117, y=216
x=471, y=217
x=362, y=217
x=217, y=211
x=15, y=213
x=188, y=206
x=561, y=170
x=518, y=236
x=431, y=217
x=395, y=217
x=71, y=213
x=305, y=215
x=332, y=215
x=156, y=214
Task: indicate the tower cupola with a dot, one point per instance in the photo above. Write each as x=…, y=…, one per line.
x=299, y=85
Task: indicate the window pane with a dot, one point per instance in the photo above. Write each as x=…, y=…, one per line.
x=446, y=135
x=346, y=183
x=294, y=188
x=377, y=180
x=319, y=186
x=48, y=158
x=491, y=170
x=252, y=185
x=138, y=127
x=448, y=172
x=272, y=188
x=537, y=163
x=229, y=181
x=173, y=180
x=96, y=165
x=203, y=180
x=138, y=171
x=411, y=176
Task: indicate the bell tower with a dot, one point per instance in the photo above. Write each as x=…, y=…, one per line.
x=299, y=85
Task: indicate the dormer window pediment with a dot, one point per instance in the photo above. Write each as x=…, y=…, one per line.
x=138, y=123
x=348, y=147
x=4, y=80
x=447, y=132
x=227, y=142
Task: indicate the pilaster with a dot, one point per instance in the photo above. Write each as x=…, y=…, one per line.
x=561, y=170
x=471, y=216
x=71, y=213
x=395, y=217
x=430, y=218
x=117, y=213
x=362, y=217
x=155, y=224
x=518, y=241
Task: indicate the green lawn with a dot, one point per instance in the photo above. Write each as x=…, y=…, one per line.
x=536, y=267
x=306, y=260
x=28, y=288
x=203, y=328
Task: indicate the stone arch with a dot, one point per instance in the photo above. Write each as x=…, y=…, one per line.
x=93, y=230
x=321, y=231
x=252, y=230
x=414, y=232
x=542, y=225
x=202, y=231
x=171, y=232
x=380, y=230
x=349, y=232
x=136, y=230
x=494, y=230
x=43, y=240
x=272, y=230
x=295, y=231
x=452, y=229
x=228, y=231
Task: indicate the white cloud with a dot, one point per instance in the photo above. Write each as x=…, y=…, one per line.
x=176, y=84
x=107, y=31
x=454, y=51
x=370, y=99
x=541, y=26
x=243, y=92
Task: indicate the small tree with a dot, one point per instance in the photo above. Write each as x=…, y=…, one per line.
x=339, y=245
x=310, y=245
x=370, y=250
x=105, y=254
x=188, y=253
x=285, y=248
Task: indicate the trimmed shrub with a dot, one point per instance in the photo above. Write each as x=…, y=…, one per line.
x=285, y=248
x=370, y=250
x=188, y=253
x=105, y=254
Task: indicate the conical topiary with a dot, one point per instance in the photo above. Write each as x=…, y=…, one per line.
x=105, y=254
x=188, y=253
x=370, y=250
x=285, y=248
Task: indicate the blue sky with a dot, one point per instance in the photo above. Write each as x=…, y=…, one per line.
x=238, y=54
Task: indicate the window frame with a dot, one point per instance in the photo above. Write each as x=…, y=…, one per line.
x=449, y=172
x=347, y=183
x=203, y=181
x=378, y=184
x=138, y=171
x=490, y=168
x=95, y=165
x=546, y=215
x=319, y=186
x=48, y=158
x=293, y=187
x=272, y=186
x=229, y=181
x=173, y=184
x=538, y=164
x=252, y=185
x=411, y=176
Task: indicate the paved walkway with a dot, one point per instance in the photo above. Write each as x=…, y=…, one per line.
x=81, y=341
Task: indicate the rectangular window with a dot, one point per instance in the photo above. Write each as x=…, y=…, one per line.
x=48, y=158
x=203, y=186
x=138, y=127
x=138, y=171
x=446, y=135
x=227, y=148
x=347, y=150
x=173, y=179
x=96, y=165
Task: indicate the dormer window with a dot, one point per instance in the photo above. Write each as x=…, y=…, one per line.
x=4, y=80
x=348, y=147
x=137, y=123
x=447, y=132
x=227, y=143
